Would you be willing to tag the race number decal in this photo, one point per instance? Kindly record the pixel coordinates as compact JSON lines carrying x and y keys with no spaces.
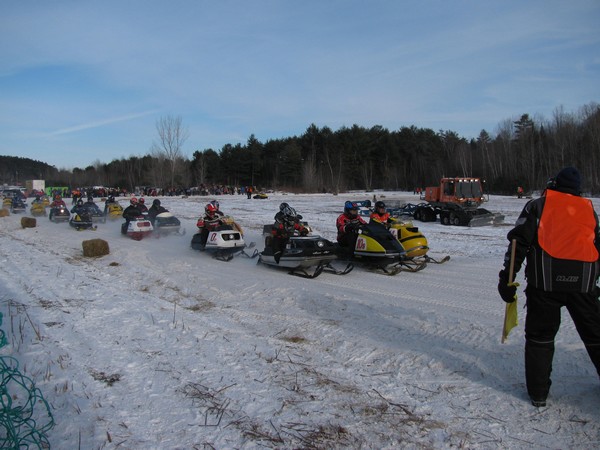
{"x":361,"y":244}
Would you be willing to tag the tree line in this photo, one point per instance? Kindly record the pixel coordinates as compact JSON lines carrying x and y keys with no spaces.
{"x":522,"y":152}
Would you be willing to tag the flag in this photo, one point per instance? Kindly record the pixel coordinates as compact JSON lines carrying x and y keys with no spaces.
{"x":511,"y":319}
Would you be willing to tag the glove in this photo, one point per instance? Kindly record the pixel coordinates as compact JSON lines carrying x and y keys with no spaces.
{"x":303,"y":232}
{"x":508,"y":291}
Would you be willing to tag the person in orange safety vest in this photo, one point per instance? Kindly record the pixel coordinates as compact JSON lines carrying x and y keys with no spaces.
{"x":558,"y":235}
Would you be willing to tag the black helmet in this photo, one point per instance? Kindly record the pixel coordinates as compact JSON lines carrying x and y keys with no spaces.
{"x":379,"y":204}
{"x":287,"y":210}
{"x":79,"y":202}
{"x":156,"y":202}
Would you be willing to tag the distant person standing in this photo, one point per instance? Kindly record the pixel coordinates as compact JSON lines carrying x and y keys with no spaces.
{"x":559,"y":237}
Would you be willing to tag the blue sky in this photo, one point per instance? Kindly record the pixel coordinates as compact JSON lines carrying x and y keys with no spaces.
{"x":86,"y":81}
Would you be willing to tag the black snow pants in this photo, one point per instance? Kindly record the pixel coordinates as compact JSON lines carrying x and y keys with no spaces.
{"x":542,"y":324}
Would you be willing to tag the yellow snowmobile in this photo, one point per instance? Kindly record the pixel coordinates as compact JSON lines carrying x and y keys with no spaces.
{"x":414,"y":243}
{"x":113,"y":211}
{"x":37,"y":209}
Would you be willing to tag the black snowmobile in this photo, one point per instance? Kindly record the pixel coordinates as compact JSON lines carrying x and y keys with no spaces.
{"x":303,"y":253}
{"x":95,"y":212}
{"x":17,"y":205}
{"x":82,"y":220}
{"x":167,"y":223}
{"x":59,"y":214}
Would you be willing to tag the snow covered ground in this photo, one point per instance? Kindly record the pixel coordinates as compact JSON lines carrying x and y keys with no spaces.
{"x":157,"y":346}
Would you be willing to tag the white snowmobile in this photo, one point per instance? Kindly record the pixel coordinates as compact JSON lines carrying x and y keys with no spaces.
{"x":137,"y":228}
{"x":225,"y":242}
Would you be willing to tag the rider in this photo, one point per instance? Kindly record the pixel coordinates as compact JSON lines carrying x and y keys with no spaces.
{"x":348,"y":223}
{"x":210,"y":222}
{"x":287,"y":223}
{"x":142,"y":205}
{"x":155,"y":210}
{"x":57,"y":202}
{"x":380,"y":214}
{"x":130,"y":213}
{"x":109,"y":201}
{"x":78,"y":208}
{"x":218,"y":212}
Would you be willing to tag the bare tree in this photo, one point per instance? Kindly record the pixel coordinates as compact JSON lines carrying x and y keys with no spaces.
{"x":171,"y":137}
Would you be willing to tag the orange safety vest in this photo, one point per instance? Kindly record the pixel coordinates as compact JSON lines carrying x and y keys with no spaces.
{"x":567,"y":227}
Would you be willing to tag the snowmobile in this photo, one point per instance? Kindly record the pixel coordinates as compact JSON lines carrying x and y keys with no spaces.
{"x":166,"y":223}
{"x":82,"y":220}
{"x":380,"y":250}
{"x":225,"y":242}
{"x":414,"y":243}
{"x":138,"y":228}
{"x":303,"y":253}
{"x":96,"y":213}
{"x":59,"y":214}
{"x":113,"y":211}
{"x":37,"y":209}
{"x":17,"y":205}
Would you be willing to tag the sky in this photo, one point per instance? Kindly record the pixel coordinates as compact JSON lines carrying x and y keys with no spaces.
{"x":86,"y":82}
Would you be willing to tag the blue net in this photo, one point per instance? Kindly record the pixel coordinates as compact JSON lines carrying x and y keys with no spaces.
{"x":25,"y":416}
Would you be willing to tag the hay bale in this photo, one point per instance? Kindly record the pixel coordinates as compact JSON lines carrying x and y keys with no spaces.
{"x":4,"y":212}
{"x":95,"y":247}
{"x":28,"y":222}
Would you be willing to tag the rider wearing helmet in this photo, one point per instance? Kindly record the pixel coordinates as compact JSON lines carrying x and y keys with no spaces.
{"x":58,"y":201}
{"x":380,"y":214}
{"x":348,"y":223}
{"x":131,"y":212}
{"x":155,"y":210}
{"x":142,"y":205}
{"x":109,"y":201}
{"x":287,"y":223}
{"x":210,"y":222}
{"x":218,"y":212}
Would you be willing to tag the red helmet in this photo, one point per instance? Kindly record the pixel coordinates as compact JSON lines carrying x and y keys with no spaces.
{"x":142,"y":201}
{"x":133,"y":201}
{"x":210,"y":209}
{"x":57,"y":197}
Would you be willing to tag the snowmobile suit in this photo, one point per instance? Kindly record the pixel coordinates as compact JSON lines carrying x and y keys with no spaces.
{"x":559,"y":236}
{"x":381,"y":218}
{"x":282,"y":229}
{"x":207,"y":224}
{"x":347,"y":226}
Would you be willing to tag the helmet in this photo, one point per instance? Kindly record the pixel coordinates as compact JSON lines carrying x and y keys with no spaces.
{"x":57,"y":197}
{"x":379,"y":204}
{"x":111,"y":198}
{"x":156,"y":202}
{"x":133,"y":201}
{"x":287,"y":210}
{"x":350,"y":206}
{"x":142,"y":201}
{"x":210,"y":209}
{"x":215,"y":203}
{"x":90,"y":198}
{"x":79,"y":202}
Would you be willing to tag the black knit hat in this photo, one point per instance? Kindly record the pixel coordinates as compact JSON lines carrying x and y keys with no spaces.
{"x":569,"y":178}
